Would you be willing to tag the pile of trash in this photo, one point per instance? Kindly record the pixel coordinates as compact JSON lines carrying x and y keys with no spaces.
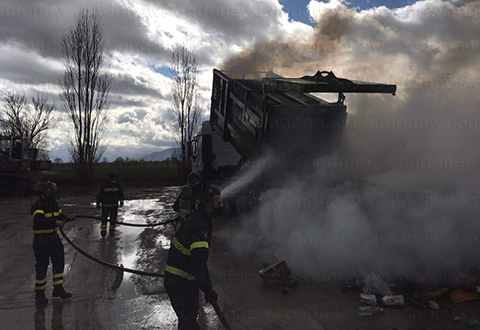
{"x":378,"y":295}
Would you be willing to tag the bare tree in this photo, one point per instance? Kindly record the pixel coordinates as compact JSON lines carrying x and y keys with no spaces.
{"x":86,"y":88}
{"x":19,"y":119}
{"x":186,"y":112}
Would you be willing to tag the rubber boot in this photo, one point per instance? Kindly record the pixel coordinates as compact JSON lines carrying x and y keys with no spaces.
{"x":112,"y":228}
{"x":59,"y":291}
{"x":40,"y":297}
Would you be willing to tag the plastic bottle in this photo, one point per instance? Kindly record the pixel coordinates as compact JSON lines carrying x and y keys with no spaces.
{"x":433,"y":305}
{"x":393,"y":300}
{"x":369,"y":311}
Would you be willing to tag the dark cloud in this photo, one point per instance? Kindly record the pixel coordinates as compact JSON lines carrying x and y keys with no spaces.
{"x":40,"y":25}
{"x":19,"y":66}
{"x":127,"y":85}
{"x":118,"y":101}
{"x":235,"y":21}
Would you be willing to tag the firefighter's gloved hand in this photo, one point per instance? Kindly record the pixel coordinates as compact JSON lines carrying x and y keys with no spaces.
{"x":70,"y":218}
{"x":211,"y":297}
{"x":121,"y":203}
{"x":60,"y":223}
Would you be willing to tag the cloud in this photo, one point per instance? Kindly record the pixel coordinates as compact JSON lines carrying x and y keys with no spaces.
{"x":40,"y":26}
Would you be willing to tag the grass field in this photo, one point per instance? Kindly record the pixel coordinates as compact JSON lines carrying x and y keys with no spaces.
{"x":129,"y":174}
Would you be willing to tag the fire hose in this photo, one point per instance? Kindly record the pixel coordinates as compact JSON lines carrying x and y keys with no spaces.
{"x":217,"y":308}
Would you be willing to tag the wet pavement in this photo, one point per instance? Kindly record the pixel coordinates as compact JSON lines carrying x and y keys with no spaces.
{"x":104,"y":298}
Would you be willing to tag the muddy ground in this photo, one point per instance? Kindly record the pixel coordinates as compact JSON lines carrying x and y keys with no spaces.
{"x":104,"y":299}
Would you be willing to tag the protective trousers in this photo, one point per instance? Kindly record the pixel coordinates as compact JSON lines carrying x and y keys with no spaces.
{"x":109,"y":212}
{"x":184,"y":299}
{"x":48,"y":247}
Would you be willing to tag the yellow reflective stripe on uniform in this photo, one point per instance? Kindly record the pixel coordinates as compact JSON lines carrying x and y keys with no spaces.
{"x":41,"y":281}
{"x":58,"y":282}
{"x":180,"y":247}
{"x":59,"y":275}
{"x":179,"y":272}
{"x":45,"y":231}
{"x":43,"y":287}
{"x":47,"y":215}
{"x":110,"y":189}
{"x":38,"y":212}
{"x":199,"y":244}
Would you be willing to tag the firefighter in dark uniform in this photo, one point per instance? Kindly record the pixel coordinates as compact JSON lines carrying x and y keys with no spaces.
{"x":188,"y":201}
{"x":186,"y":271}
{"x":47,"y":246}
{"x":111,"y":193}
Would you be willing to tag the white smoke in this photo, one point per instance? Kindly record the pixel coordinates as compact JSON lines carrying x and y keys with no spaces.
{"x":409,"y":201}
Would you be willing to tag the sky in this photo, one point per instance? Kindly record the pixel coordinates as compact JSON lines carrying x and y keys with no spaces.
{"x":140,"y":35}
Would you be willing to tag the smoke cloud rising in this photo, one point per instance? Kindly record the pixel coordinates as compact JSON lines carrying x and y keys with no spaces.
{"x":401,"y":194}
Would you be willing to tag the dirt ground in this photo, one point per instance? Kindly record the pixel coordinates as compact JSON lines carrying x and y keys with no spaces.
{"x":105,"y":299}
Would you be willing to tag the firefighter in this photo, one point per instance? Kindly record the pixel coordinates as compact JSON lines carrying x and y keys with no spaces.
{"x":186,"y":271}
{"x":188,"y":201}
{"x":111,"y":193}
{"x":47,"y":246}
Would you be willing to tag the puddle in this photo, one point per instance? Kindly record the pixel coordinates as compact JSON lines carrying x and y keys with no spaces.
{"x":141,"y":301}
{"x":142,"y":248}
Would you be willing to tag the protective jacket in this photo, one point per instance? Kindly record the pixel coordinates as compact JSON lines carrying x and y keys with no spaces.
{"x":45,"y":212}
{"x":188,"y":254}
{"x":110,"y":194}
{"x":47,"y":245}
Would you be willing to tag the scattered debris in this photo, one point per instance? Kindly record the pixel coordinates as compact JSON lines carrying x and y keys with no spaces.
{"x":369,"y":311}
{"x":474,"y":324}
{"x":433,"y":305}
{"x":393,"y":300}
{"x":375,"y":284}
{"x":432,"y":295}
{"x":369,"y":299}
{"x":459,"y":296}
{"x":278,"y":273}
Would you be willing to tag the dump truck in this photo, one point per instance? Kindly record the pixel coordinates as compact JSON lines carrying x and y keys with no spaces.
{"x":20,"y":168}
{"x":265,"y":120}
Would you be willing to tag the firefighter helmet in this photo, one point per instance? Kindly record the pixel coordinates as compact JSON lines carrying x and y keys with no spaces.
{"x":195,"y":180}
